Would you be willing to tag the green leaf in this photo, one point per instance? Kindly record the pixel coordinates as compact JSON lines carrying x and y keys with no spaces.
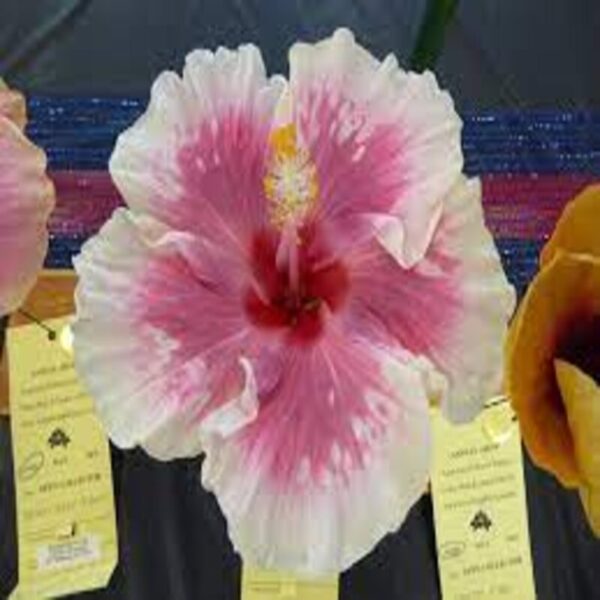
{"x":430,"y":40}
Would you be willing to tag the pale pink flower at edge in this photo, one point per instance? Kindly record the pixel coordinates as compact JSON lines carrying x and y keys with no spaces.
{"x":301,"y":267}
{"x":26,"y":200}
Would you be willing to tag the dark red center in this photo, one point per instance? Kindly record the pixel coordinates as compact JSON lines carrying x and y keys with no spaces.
{"x":323,"y":287}
{"x":580,"y":345}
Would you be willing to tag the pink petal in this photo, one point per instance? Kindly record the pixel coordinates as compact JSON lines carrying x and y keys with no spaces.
{"x":386,"y":143}
{"x":452,"y":307}
{"x":161,"y":336}
{"x":195,"y":159}
{"x":337,"y":455}
{"x":26,"y":199}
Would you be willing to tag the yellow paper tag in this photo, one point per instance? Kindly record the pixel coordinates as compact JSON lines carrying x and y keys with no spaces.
{"x":259,"y":584}
{"x":480,"y":508}
{"x":65,"y":506}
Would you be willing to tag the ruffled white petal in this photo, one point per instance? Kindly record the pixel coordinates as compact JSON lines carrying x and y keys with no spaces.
{"x":239,"y":411}
{"x":451,"y":309}
{"x":141,"y":346}
{"x":324,"y":525}
{"x":194,"y":159}
{"x":473,"y":356}
{"x":386,"y":142}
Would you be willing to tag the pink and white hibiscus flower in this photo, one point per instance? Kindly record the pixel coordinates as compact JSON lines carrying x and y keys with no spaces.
{"x":26,"y":200}
{"x":300,"y":269}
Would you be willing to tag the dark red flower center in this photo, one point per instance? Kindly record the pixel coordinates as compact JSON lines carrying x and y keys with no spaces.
{"x":272,"y":302}
{"x":580,"y":345}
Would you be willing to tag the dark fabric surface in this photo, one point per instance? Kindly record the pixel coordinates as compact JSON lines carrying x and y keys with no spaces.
{"x":514,"y":53}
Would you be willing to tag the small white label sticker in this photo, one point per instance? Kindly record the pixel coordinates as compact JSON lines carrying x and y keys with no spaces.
{"x":68,"y":553}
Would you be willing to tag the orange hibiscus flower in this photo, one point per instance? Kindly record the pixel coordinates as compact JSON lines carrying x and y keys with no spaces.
{"x":553,"y":355}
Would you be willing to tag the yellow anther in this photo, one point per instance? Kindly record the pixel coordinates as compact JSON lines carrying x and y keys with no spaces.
{"x":283,"y":141}
{"x":291,"y":180}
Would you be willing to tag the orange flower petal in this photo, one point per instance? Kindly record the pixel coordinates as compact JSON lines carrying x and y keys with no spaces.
{"x":590,"y":498}
{"x":578,"y":229}
{"x":12,"y":106}
{"x":581,"y":398}
{"x":567,"y":288}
